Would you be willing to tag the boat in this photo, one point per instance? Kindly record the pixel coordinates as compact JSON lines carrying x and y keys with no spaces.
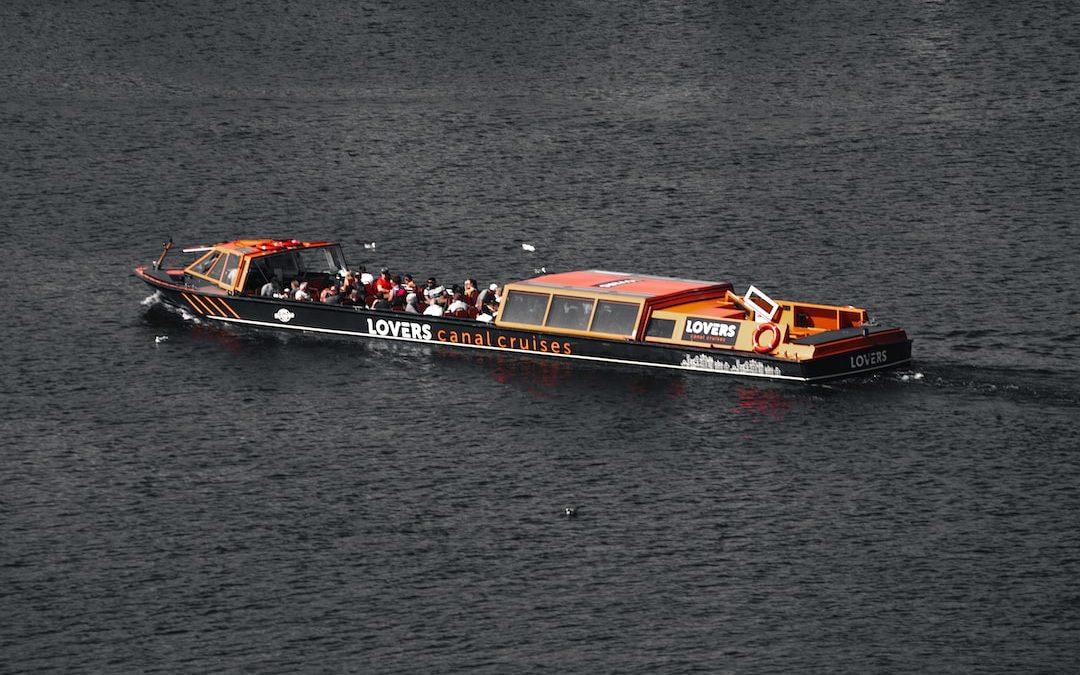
{"x":591,"y":315}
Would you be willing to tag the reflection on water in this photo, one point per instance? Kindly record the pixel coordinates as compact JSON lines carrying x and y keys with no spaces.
{"x":772,"y":404}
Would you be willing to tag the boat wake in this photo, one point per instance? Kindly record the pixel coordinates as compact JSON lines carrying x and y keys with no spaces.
{"x":1016,"y":384}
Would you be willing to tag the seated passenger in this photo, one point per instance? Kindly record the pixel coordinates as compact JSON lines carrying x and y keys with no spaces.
{"x":331,"y":295}
{"x":410,"y":304}
{"x":270,"y":289}
{"x":397,"y":301}
{"x":458,"y":307}
{"x":353,"y":299}
{"x":435,"y":307}
{"x":368,"y":288}
{"x":302,"y":293}
{"x":384,"y":283}
{"x":488,"y":300}
{"x":408,"y":283}
{"x":348,"y":280}
{"x":470,"y":292}
{"x":286,"y":293}
{"x":398,"y":288}
{"x":431,"y":288}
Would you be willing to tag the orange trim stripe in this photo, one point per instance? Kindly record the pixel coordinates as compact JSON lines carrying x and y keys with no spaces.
{"x":207,"y":308}
{"x":213,"y":302}
{"x":214,"y":309}
{"x":231,"y":310}
{"x":197,"y":308}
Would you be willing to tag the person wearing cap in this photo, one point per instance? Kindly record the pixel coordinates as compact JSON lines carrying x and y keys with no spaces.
{"x":367,"y":288}
{"x":486,"y":302}
{"x":384,"y":283}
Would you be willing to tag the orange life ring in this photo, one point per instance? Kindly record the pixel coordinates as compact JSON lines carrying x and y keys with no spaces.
{"x":773,"y":343}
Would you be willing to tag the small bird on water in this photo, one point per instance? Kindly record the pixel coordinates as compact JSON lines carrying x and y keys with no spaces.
{"x":570,"y":512}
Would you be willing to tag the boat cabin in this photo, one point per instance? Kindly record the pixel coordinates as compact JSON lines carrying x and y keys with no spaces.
{"x":243,"y":266}
{"x":663,"y":310}
{"x":602,"y":304}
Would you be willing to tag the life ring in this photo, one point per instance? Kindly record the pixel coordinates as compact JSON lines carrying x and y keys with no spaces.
{"x":773,"y":343}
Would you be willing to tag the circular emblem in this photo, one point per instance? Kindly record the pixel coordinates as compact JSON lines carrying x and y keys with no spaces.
{"x":283,"y":315}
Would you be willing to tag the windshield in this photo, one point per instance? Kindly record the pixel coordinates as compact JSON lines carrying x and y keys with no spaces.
{"x":326,"y":259}
{"x":295,"y":264}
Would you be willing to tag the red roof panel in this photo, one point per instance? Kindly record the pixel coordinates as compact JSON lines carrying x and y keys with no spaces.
{"x":618,"y":283}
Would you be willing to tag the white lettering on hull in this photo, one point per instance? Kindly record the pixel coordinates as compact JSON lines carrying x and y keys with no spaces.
{"x":713,"y":328}
{"x":406,"y":330}
{"x":869,"y":359}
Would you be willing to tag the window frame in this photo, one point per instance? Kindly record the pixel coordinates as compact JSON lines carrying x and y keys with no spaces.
{"x":508,"y":300}
{"x":551,"y":312}
{"x":633,"y":325}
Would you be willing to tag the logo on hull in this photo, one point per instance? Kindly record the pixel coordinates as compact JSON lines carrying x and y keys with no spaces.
{"x":283,"y":315}
{"x":869,"y":359}
{"x":711,"y":331}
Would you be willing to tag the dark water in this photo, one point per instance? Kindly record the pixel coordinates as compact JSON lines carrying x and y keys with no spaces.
{"x":222,"y":503}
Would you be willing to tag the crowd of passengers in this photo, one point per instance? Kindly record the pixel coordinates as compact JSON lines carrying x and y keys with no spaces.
{"x":395,"y":292}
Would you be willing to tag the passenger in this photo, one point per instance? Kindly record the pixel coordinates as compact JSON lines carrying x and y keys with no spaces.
{"x":348,"y":281}
{"x":435,"y":307}
{"x":384,"y":283}
{"x":302,"y":293}
{"x":432,"y":293}
{"x":270,"y":289}
{"x":430,"y":288}
{"x":458,"y":307}
{"x":398,"y":288}
{"x":368,"y":289}
{"x":410,"y":304}
{"x":331,"y":295}
{"x":470,"y":292}
{"x":354,"y":298}
{"x":486,"y":301}
{"x":397,"y":299}
{"x":409,"y":284}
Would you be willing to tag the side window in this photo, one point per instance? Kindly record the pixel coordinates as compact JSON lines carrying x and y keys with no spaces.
{"x":660,"y":328}
{"x":615,"y":317}
{"x":203,"y":266}
{"x":572,"y":313}
{"x":257,"y":275}
{"x":232,"y":265}
{"x":519,"y":307}
{"x":316,"y":260}
{"x":218,"y":268}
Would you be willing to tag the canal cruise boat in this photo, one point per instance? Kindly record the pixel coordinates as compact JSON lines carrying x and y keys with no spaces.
{"x":593,"y":315}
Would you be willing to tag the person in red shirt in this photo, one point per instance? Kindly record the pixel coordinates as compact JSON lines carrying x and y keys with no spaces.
{"x":384,"y":283}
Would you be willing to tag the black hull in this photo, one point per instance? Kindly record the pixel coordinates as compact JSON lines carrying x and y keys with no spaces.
{"x":358,"y":322}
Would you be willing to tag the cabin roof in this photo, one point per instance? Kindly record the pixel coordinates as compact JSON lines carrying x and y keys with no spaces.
{"x":260,"y":247}
{"x":619,"y":283}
